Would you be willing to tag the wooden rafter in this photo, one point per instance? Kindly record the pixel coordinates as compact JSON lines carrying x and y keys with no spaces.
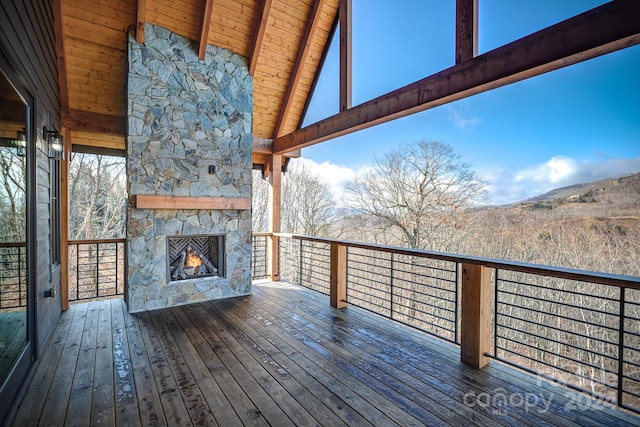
{"x":259,"y":36}
{"x":345,"y":13}
{"x":87,"y":121}
{"x":466,"y":30}
{"x":141,"y":19}
{"x":607,"y":28}
{"x":303,"y":54}
{"x":206,"y":23}
{"x":60,"y":56}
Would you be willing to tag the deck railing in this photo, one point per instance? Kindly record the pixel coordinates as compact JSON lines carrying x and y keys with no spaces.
{"x":578,"y":328}
{"x":13,"y":275}
{"x":259,"y":256}
{"x":96,"y":268}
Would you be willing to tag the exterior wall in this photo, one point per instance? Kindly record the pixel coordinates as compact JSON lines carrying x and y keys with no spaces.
{"x":185,"y":115}
{"x":31,"y":50}
{"x":27,"y":41}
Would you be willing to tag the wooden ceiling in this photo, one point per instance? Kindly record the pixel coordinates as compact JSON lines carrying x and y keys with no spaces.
{"x":283,"y":41}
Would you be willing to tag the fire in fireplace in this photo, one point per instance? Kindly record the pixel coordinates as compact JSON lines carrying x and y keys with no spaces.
{"x":194,"y":257}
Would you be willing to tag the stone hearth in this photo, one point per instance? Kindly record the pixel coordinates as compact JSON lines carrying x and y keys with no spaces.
{"x":189,"y":135}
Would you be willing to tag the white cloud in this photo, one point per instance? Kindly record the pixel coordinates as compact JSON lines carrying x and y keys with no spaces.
{"x":553,"y":171}
{"x":459,"y":118}
{"x":334,"y":175}
{"x":559,"y":171}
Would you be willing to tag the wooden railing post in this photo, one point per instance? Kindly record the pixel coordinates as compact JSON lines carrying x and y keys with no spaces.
{"x":275,"y":189}
{"x":476,"y":315}
{"x":338,"y":276}
{"x":272,"y":257}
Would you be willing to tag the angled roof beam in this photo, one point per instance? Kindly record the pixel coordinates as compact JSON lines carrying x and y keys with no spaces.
{"x":466,"y":30}
{"x":303,"y":54}
{"x":206,"y":23}
{"x":141,"y":19}
{"x":60,"y":55}
{"x":604,"y":29}
{"x":259,"y":36}
{"x":345,"y":14}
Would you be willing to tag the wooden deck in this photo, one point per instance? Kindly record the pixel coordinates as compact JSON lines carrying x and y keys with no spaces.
{"x":279,"y":357}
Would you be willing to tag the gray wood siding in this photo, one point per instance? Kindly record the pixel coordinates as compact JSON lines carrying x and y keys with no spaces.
{"x":27,"y":38}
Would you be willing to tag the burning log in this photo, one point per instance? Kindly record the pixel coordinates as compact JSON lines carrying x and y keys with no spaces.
{"x":192,"y":263}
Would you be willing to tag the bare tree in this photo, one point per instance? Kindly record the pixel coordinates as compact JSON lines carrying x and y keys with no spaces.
{"x":12,"y":196}
{"x":307,"y":205}
{"x":259,"y":203}
{"x":418,"y":193}
{"x":98,"y":196}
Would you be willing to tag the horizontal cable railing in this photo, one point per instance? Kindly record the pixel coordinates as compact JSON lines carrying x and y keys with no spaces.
{"x":306,"y":263}
{"x":578,"y":328}
{"x":96,"y":268}
{"x":13,"y":275}
{"x":416,"y":291}
{"x":259,"y":256}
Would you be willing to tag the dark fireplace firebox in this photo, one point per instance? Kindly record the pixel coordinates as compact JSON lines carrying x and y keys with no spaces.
{"x":194,"y":257}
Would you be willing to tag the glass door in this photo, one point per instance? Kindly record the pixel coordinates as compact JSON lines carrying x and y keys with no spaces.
{"x":14,"y":152}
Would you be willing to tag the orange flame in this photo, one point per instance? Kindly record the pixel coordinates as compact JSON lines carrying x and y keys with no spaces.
{"x":192,"y":260}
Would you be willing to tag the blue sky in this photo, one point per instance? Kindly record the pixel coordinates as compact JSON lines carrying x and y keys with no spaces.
{"x":577,"y":124}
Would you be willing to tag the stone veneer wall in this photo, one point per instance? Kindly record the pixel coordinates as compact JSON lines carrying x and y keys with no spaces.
{"x":185,"y":114}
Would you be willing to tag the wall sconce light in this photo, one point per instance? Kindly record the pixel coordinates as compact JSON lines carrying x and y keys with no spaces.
{"x":21,"y":143}
{"x":55,"y":143}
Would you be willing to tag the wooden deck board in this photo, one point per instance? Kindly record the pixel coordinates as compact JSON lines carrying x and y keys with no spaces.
{"x":79,"y":407}
{"x":280,"y":357}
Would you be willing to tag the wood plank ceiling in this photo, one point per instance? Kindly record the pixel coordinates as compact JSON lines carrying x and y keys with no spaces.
{"x":283,"y":41}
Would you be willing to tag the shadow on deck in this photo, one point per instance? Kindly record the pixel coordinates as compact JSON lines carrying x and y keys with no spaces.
{"x":280,"y":357}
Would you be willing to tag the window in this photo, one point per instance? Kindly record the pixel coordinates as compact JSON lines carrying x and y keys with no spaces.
{"x":54,"y":213}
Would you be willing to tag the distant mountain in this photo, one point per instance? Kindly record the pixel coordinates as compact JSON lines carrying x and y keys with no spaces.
{"x":619,"y":191}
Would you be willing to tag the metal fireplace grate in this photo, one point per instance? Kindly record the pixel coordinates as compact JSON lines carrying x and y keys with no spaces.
{"x":193,"y":257}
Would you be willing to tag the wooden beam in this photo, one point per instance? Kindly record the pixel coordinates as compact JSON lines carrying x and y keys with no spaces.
{"x":259,"y":36}
{"x":264,"y":146}
{"x":64,"y":217}
{"x":302,"y":56}
{"x":466,"y":30}
{"x":141,"y":19}
{"x":475,"y":313}
{"x":345,"y":14}
{"x":60,"y":55}
{"x":87,"y":121}
{"x":607,"y":28}
{"x":275,"y":192}
{"x":206,"y":23}
{"x":338,"y":276}
{"x":149,"y":201}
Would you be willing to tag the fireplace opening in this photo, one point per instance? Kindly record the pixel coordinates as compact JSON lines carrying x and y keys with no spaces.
{"x":194,"y":257}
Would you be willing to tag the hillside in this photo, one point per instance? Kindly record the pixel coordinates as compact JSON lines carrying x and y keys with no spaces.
{"x":609,"y":197}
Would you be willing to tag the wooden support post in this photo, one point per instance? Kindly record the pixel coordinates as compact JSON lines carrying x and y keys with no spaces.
{"x":338,"y":276}
{"x":64,"y":220}
{"x":476,"y":315}
{"x":141,"y":19}
{"x":275,"y":188}
{"x":466,"y":30}
{"x":344,"y":14}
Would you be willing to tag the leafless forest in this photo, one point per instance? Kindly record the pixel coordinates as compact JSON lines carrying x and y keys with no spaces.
{"x":565,"y":329}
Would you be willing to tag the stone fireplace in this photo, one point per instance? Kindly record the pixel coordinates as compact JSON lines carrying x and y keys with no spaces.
{"x":188,"y":173}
